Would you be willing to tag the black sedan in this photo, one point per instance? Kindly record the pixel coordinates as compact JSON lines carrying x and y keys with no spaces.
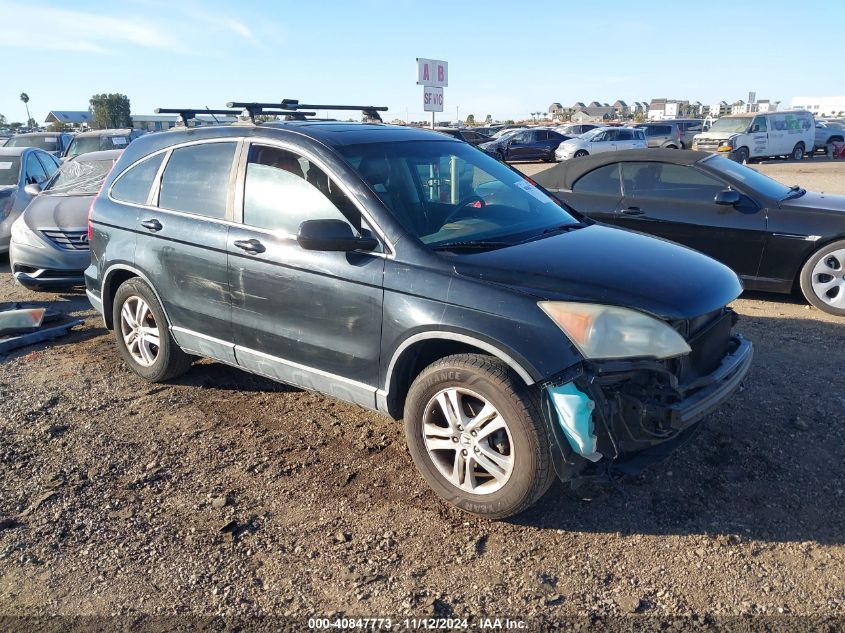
{"x":463,"y":134}
{"x":777,"y":238}
{"x":533,"y":144}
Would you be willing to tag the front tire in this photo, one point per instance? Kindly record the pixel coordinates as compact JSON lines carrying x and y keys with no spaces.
{"x":797,"y":152}
{"x":477,"y":436}
{"x":823,"y":279}
{"x":143,"y":338}
{"x":581,"y":153}
{"x":741,"y":155}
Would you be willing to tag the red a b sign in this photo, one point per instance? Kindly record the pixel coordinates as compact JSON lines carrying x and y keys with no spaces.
{"x":432,"y":72}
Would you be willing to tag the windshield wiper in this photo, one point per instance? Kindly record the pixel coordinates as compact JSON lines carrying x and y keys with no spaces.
{"x":794,"y":192}
{"x":471,"y":245}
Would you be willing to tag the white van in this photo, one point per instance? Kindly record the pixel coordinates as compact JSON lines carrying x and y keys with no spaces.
{"x":790,"y":133}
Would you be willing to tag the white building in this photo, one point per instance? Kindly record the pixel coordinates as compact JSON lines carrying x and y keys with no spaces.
{"x":820,"y":106}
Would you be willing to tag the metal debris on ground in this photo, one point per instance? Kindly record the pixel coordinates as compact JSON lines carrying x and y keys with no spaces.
{"x":20,"y":327}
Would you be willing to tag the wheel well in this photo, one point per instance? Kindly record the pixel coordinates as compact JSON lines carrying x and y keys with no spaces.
{"x":413,"y":360}
{"x":115,"y":281}
{"x":835,"y":139}
{"x":796,"y":283}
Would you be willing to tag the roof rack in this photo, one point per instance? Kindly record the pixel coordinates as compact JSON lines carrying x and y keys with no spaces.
{"x":186,"y":114}
{"x":253,"y":109}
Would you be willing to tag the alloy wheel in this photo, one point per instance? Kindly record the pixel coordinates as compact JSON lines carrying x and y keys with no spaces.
{"x":140,"y":331}
{"x":828,"y":278}
{"x":468,"y":441}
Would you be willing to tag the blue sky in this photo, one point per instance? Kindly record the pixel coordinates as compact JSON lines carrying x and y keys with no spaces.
{"x":505,"y":58}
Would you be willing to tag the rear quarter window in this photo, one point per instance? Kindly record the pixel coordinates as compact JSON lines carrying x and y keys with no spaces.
{"x":134,"y":184}
{"x":604,"y":181}
{"x":196,"y":179}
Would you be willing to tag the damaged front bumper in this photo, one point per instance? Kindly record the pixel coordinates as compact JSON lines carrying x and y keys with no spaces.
{"x":632,"y":412}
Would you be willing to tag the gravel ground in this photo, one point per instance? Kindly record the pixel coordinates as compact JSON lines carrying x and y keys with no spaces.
{"x":226,"y":494}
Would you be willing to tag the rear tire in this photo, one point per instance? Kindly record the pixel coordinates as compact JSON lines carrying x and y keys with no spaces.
{"x":466,"y":475}
{"x":797,"y":152}
{"x":581,"y":153}
{"x":823,"y":279}
{"x":142,"y":334}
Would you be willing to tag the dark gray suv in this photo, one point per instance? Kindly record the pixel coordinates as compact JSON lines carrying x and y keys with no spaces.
{"x":413,"y":274}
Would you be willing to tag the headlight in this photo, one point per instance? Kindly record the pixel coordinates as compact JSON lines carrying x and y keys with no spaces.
{"x":726,"y":146}
{"x":22,"y":234}
{"x":600,"y":331}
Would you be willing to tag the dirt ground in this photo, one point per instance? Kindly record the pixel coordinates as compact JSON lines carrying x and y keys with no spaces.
{"x":226,"y":494}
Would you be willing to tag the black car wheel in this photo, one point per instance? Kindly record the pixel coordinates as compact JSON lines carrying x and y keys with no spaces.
{"x":823,"y":279}
{"x":797,"y":152}
{"x":741,"y":155}
{"x":671,"y":147}
{"x":143,"y":337}
{"x":581,"y":152}
{"x":477,"y":436}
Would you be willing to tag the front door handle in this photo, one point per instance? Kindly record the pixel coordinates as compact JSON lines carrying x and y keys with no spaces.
{"x":152,"y":225}
{"x":250,"y":246}
{"x":632,"y":211}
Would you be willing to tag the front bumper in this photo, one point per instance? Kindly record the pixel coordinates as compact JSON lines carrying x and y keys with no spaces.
{"x":47,"y":267}
{"x":642,"y":411}
{"x":642,"y":404}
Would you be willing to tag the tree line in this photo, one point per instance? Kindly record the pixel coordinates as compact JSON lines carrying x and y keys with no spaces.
{"x":108,"y":110}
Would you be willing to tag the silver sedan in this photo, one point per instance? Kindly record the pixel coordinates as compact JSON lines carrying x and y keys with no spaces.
{"x":19,"y":167}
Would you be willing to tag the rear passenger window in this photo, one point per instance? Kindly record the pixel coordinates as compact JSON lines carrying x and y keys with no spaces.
{"x":624,"y":135}
{"x":196,"y":179}
{"x":283,"y":189}
{"x":134,"y":185}
{"x":604,"y":180}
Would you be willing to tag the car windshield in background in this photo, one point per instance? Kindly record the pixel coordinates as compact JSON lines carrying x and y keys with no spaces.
{"x":449,"y":193}
{"x":754,"y":179}
{"x":47,"y":143}
{"x":506,"y":133}
{"x":10,"y":169}
{"x":79,"y":177}
{"x":95,"y":144}
{"x":731,"y":125}
{"x":590,"y":133}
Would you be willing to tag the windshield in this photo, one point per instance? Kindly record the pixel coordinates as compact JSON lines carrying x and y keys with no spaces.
{"x":505,"y":133}
{"x":10,"y":169}
{"x":731,"y":125}
{"x":446,"y":192}
{"x":79,"y":177}
{"x":48,"y":143}
{"x":747,"y":176}
{"x":95,"y":144}
{"x":591,"y":133}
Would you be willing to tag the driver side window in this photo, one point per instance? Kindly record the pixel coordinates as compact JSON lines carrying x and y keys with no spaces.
{"x":35,"y":173}
{"x":283,"y":189}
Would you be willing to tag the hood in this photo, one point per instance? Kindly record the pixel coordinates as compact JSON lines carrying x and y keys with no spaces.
{"x":67,"y":212}
{"x":715,"y":136}
{"x":818,"y":202}
{"x":600,"y":264}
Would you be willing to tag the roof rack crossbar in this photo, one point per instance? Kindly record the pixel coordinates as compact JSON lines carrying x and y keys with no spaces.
{"x":256,"y":108}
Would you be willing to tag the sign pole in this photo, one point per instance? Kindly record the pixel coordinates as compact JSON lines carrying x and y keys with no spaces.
{"x":432,"y":120}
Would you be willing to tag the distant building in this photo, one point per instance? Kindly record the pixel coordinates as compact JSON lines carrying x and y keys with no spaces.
{"x":719,"y":109}
{"x":663,"y":108}
{"x":159,"y":122}
{"x":77,"y":119}
{"x":621,"y":107}
{"x":594,"y":114}
{"x":820,"y":106}
{"x":556,"y":111}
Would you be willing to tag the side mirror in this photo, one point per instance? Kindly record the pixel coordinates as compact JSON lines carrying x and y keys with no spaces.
{"x":727,"y":197}
{"x":332,"y":235}
{"x":32,"y":189}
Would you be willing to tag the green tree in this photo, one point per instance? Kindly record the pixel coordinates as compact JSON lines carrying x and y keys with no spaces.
{"x":110,"y":111}
{"x":59,"y":126}
{"x":488,"y":119}
{"x":25,"y":99}
{"x":3,"y":122}
{"x":470,"y":119}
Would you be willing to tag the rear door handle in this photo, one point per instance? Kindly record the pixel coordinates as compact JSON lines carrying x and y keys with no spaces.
{"x":250,"y":246}
{"x":632,"y":211}
{"x":152,"y":225}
